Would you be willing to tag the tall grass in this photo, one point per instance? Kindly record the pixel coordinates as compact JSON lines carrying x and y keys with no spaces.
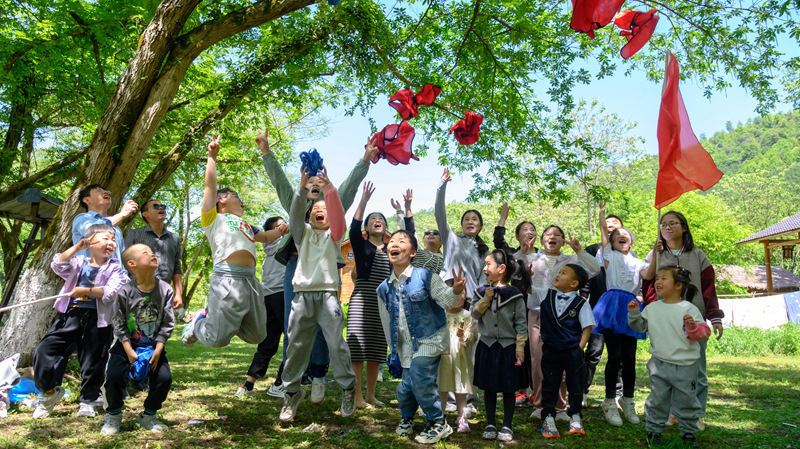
{"x":749,"y":341}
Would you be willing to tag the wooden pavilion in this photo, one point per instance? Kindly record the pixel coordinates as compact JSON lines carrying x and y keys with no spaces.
{"x":769,"y":237}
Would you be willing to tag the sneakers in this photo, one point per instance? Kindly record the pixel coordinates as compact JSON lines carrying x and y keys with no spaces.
{"x":187,"y":336}
{"x":629,"y":410}
{"x":405,"y":427}
{"x":463,"y":426}
{"x":537,"y":414}
{"x":654,"y":439}
{"x":348,"y":401}
{"x":522,"y":400}
{"x":672,"y":420}
{"x":575,"y":425}
{"x":450,"y":408}
{"x":380,"y":376}
{"x":611,"y":413}
{"x":276,"y":391}
{"x":689,"y":440}
{"x":112,"y":425}
{"x":505,"y":434}
{"x":317,"y":391}
{"x":562,"y":416}
{"x":490,"y":432}
{"x":470,"y":410}
{"x":87,"y":409}
{"x":434,"y":432}
{"x":290,"y":403}
{"x":151,"y":423}
{"x":549,"y":429}
{"x":43,"y":404}
{"x":243,"y":392}
{"x":701,"y":425}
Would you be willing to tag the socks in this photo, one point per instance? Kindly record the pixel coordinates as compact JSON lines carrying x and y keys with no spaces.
{"x":115,"y":412}
{"x":248,"y":385}
{"x":147,"y":411}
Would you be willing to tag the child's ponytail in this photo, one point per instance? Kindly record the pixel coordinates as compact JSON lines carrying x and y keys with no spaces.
{"x":516,"y":271}
{"x":682,"y":276}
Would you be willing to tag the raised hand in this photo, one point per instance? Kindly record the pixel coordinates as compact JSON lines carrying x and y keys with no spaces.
{"x":213,"y":147}
{"x":574,"y":244}
{"x":129,"y":208}
{"x":446,"y":175}
{"x":688,"y":321}
{"x":323,"y":177}
{"x":634,"y":305}
{"x":504,"y":212}
{"x":261,"y":141}
{"x":304,"y":175}
{"x":283,"y":228}
{"x":396,"y":205}
{"x":459,"y":280}
{"x":407,"y":198}
{"x":370,"y":150}
{"x":369,"y":189}
{"x":602,"y":207}
{"x":83,"y":244}
{"x":525,"y":244}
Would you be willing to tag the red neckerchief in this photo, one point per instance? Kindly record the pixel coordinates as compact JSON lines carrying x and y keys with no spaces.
{"x":467,"y":131}
{"x":637,"y":27}
{"x":406,"y":103}
{"x":394,"y":144}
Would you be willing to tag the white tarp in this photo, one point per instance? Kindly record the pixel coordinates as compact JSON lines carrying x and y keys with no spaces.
{"x":764,"y":312}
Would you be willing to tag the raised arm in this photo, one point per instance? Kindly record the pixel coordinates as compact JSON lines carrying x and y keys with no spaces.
{"x":586,"y":260}
{"x":210,"y":192}
{"x":366,"y":194}
{"x":348,"y":189}
{"x":128,"y":209}
{"x":440,"y":212}
{"x":603,"y":226}
{"x":275,"y":173}
{"x":297,"y":213}
{"x":636,"y":320}
{"x":335,"y":209}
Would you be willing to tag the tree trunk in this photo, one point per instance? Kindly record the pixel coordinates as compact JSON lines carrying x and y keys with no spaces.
{"x":17,"y":120}
{"x":188,"y":296}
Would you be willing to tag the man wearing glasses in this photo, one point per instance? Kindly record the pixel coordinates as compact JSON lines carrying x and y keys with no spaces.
{"x":96,"y":200}
{"x":165,"y":244}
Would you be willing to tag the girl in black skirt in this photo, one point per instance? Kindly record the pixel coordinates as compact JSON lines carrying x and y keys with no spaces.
{"x":501,"y":315}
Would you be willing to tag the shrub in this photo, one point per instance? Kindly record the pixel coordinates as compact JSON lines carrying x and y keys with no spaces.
{"x":749,"y":341}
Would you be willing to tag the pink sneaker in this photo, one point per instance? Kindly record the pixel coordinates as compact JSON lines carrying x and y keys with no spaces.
{"x":463,"y":426}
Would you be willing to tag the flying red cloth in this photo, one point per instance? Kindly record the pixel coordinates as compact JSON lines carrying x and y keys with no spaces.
{"x":406,"y":103}
{"x":683,"y":163}
{"x":467,"y":131}
{"x":637,"y":27}
{"x":589,"y":15}
{"x":394,"y":144}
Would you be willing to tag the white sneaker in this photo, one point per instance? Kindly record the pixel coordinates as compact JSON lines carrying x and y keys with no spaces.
{"x":43,"y":404}
{"x":290,"y":404}
{"x":380,"y":376}
{"x":243,"y":392}
{"x":151,"y":423}
{"x":450,"y":408}
{"x":405,"y":427}
{"x":434,"y":432}
{"x":629,"y":410}
{"x":348,"y":402}
{"x":470,"y":410}
{"x":87,"y":409}
{"x":611,"y":413}
{"x":317,"y":391}
{"x":537,"y":414}
{"x":112,"y":425}
{"x":562,"y":416}
{"x":276,"y":391}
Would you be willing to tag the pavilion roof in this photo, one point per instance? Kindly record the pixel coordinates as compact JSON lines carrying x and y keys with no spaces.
{"x":789,"y":225}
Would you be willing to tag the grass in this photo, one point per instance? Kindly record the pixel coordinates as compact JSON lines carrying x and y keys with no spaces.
{"x":750,"y":399}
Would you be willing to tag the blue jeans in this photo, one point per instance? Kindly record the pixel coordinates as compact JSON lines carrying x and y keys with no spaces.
{"x":419,"y":389}
{"x":320,"y":358}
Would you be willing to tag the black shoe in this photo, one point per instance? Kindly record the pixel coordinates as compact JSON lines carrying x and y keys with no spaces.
{"x":689,"y":440}
{"x":305,"y":381}
{"x":654,"y":439}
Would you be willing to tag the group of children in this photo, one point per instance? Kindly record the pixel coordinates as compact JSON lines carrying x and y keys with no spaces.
{"x":499,"y":321}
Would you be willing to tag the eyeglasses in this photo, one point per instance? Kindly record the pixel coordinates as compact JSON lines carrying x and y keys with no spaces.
{"x":159,"y":206}
{"x":431,"y":232}
{"x":102,"y":190}
{"x":672,"y":224}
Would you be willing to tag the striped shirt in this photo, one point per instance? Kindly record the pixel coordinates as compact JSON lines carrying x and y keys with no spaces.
{"x":166,"y":246}
{"x":426,"y":347}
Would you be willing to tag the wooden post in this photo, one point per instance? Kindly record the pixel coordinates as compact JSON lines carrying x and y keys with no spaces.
{"x":769,"y":266}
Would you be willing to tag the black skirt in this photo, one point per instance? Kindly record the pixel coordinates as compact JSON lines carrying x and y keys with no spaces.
{"x":496,"y":370}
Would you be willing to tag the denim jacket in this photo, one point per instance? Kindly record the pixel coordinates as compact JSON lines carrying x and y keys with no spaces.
{"x":423,"y":315}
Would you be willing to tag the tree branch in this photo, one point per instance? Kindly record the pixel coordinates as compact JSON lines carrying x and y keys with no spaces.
{"x":9,"y":192}
{"x":466,"y":35}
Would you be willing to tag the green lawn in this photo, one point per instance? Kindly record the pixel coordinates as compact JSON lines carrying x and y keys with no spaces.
{"x":751,"y":398}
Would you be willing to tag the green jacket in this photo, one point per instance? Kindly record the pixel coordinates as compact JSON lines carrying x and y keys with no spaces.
{"x":347,"y":193}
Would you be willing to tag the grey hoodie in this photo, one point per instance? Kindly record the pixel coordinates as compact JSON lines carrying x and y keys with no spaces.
{"x":272,"y":271}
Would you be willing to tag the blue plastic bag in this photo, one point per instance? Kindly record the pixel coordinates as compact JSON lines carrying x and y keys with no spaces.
{"x":141,"y":366}
{"x":22,"y":390}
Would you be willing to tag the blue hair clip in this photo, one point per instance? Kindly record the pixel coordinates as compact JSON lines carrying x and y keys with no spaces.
{"x":311,"y":161}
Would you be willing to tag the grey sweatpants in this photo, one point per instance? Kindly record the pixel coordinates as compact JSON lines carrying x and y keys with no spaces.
{"x":310,"y":309}
{"x":672,"y":386}
{"x":235,"y":307}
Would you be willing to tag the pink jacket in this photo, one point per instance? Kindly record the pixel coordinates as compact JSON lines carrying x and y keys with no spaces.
{"x":110,"y":278}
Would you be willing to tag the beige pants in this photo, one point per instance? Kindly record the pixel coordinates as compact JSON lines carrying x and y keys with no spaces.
{"x":535,"y":340}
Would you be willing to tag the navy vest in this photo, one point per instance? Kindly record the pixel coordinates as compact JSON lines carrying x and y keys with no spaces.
{"x":424,"y":317}
{"x":561,"y":332}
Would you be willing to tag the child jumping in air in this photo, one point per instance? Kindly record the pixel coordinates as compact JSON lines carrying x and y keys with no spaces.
{"x":412,"y":304}
{"x":143,"y":321}
{"x":623,"y":272}
{"x":502,"y":323}
{"x":84,"y":320}
{"x":675,"y":327}
{"x":235,"y":304}
{"x":567,"y":323}
{"x":318,"y":236}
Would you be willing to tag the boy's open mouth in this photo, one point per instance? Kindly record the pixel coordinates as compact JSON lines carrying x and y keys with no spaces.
{"x":320,"y":217}
{"x":394,"y":252}
{"x":315,"y":190}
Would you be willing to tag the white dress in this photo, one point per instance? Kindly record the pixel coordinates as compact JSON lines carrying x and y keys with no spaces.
{"x":455,"y":368}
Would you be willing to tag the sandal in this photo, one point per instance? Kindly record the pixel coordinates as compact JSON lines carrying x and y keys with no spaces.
{"x":490,"y":432}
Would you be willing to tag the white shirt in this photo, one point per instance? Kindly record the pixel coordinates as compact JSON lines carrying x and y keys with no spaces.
{"x":585,"y":315}
{"x":544,"y":275}
{"x":623,"y":270}
{"x":426,"y":347}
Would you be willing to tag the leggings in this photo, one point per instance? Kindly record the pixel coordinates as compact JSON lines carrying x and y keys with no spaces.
{"x":621,"y":351}
{"x":509,"y":402}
